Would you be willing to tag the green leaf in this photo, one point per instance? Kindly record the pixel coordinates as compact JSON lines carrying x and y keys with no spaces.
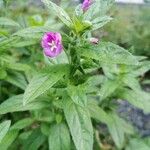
{"x":3,"y":73}
{"x":22,"y":124}
{"x":45,"y":128}
{"x":141,"y":69}
{"x":118,"y":128}
{"x":108,"y":87}
{"x":8,"y":139}
{"x":45,"y":115}
{"x":34,"y":141}
{"x":17,"y":79}
{"x":79,"y":10}
{"x":59,"y":138}
{"x":100,"y":22}
{"x":79,"y":123}
{"x":78,"y":94}
{"x":137,"y":143}
{"x":15,"y":104}
{"x":80,"y":26}
{"x":25,"y":43}
{"x":63,"y":16}
{"x":108,"y":53}
{"x":33,"y":32}
{"x":8,"y":22}
{"x":132,"y":82}
{"x":43,"y":82}
{"x":98,"y":8}
{"x":4,"y":127}
{"x":18,"y":66}
{"x":138,"y":98}
{"x":93,"y":83}
{"x":7,"y":42}
{"x":97,"y":113}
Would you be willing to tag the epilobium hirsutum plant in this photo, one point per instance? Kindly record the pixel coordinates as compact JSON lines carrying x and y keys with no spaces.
{"x":78,"y":87}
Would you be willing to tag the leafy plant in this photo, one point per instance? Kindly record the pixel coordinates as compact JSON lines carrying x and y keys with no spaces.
{"x":59,"y":102}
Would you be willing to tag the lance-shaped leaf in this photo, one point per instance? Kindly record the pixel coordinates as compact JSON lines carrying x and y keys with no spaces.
{"x":78,"y":94}
{"x":118,"y":128}
{"x":100,"y":22}
{"x":4,"y":127}
{"x":8,"y":22}
{"x":108,"y":87}
{"x":8,"y":139}
{"x":15,"y":104}
{"x":98,"y":8}
{"x":43,"y":82}
{"x":97,"y":112}
{"x":108,"y":53}
{"x":63,"y":16}
{"x":137,"y":98}
{"x":137,"y":143}
{"x":33,"y":32}
{"x":34,"y":141}
{"x":22,"y":124}
{"x":16,"y":79}
{"x":79,"y":123}
{"x":59,"y":138}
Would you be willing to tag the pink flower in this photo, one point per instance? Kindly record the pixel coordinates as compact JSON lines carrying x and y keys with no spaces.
{"x":86,"y":4}
{"x":52,"y":44}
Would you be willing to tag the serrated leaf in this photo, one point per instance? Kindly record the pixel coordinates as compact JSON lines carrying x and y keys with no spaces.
{"x":63,"y":16}
{"x":18,"y":66}
{"x":4,"y":127}
{"x":108,"y":87}
{"x":15,"y":104}
{"x":25,"y":43}
{"x":118,"y":128}
{"x":108,"y":53}
{"x":22,"y":124}
{"x":132,"y":82}
{"x":78,"y":94}
{"x":3,"y":73}
{"x":6,"y":43}
{"x":8,"y":22}
{"x":34,"y":141}
{"x":138,"y":98}
{"x":98,"y":8}
{"x":141,"y":69}
{"x":97,"y":113}
{"x":8,"y":139}
{"x":100,"y":22}
{"x":33,"y":32}
{"x":59,"y":138}
{"x":43,"y":82}
{"x":79,"y":123}
{"x":17,"y":79}
{"x":137,"y":143}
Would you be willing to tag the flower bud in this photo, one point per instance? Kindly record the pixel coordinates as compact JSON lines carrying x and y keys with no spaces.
{"x":86,"y":5}
{"x":94,"y":40}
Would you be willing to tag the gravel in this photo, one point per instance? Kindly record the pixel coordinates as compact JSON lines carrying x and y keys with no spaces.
{"x":136,"y":116}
